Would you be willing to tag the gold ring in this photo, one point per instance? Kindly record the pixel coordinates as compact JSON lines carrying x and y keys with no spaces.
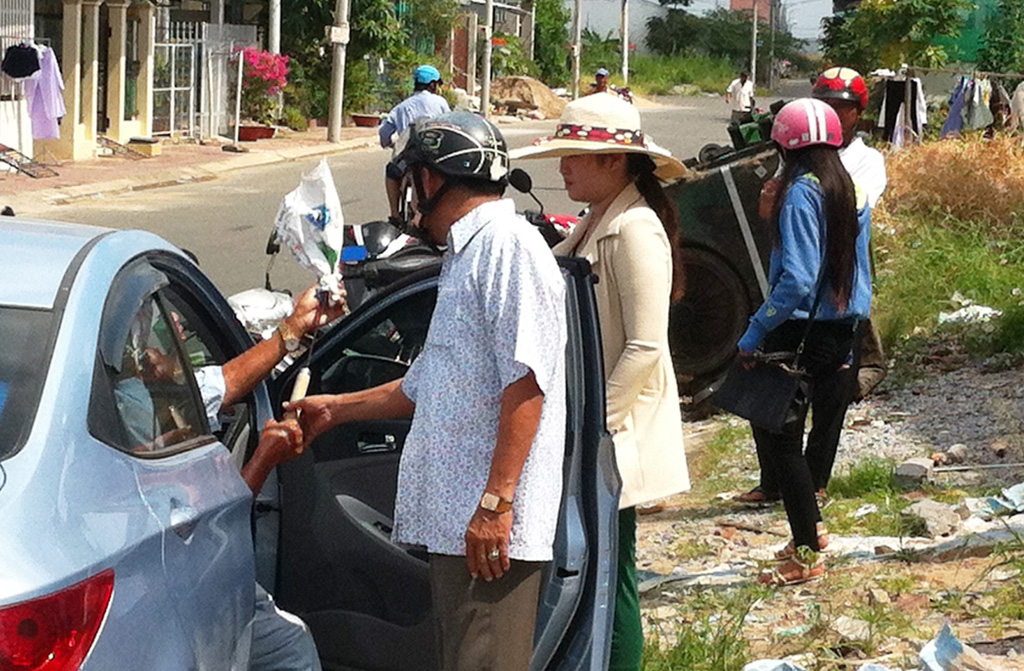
{"x":493,"y":554}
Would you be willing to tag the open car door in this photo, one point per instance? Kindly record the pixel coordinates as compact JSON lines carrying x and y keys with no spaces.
{"x":366,"y":599}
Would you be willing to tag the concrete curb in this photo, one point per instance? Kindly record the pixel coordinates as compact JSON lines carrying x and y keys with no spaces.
{"x":196,"y":173}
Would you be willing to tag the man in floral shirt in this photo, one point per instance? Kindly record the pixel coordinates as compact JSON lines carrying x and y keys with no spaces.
{"x":480,"y":479}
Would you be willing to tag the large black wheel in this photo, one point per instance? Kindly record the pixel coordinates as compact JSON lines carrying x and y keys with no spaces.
{"x":706,"y":323}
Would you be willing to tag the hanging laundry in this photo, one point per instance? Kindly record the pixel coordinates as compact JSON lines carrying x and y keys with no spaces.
{"x":976,"y":112}
{"x":1017,"y":107}
{"x":20,"y":61}
{"x":45,"y":95}
{"x":894,"y":100}
{"x":955,"y":121}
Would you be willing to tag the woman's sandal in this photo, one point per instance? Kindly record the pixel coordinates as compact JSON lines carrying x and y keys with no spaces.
{"x":758,"y":497}
{"x":804,"y":566}
{"x":790,"y":549}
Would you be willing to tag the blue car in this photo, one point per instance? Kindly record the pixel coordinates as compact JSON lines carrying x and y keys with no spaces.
{"x":127,"y":536}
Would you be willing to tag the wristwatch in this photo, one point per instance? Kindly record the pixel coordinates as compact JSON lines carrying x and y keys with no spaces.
{"x":290,"y":338}
{"x":495,"y":504}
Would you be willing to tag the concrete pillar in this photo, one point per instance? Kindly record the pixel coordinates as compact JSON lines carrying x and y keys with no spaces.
{"x":274,"y":27}
{"x":116,"y":68}
{"x":71,"y":69}
{"x":144,"y":87}
{"x":217,"y":11}
{"x":90,"y":65}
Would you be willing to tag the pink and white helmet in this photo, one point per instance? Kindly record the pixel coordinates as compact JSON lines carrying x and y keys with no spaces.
{"x":806,"y":122}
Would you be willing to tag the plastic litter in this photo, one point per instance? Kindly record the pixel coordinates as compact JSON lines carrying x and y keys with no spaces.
{"x":1010,"y":502}
{"x":971,"y":314}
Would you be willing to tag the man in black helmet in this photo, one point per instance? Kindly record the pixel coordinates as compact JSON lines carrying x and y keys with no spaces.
{"x":480,"y":478}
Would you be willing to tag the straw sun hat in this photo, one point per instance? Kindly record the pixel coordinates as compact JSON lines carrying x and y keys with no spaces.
{"x":601,"y":124}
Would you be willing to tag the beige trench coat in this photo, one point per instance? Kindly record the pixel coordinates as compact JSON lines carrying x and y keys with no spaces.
{"x":630,"y":253}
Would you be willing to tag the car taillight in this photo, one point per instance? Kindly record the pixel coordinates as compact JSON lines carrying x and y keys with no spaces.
{"x":54,"y":632}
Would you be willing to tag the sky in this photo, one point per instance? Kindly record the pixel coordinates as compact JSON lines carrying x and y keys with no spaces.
{"x":804,"y":15}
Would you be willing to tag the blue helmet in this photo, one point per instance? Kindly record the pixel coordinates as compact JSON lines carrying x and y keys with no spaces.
{"x":425,"y":74}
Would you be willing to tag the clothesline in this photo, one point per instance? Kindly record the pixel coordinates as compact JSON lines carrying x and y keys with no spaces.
{"x":979,"y":73}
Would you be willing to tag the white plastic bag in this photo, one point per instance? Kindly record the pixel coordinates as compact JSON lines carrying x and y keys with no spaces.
{"x":309,"y":222}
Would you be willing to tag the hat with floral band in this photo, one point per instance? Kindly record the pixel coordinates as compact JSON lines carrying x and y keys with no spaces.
{"x":601,"y":124}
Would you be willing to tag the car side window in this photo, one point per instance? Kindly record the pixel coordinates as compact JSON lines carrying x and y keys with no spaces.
{"x":154,"y":395}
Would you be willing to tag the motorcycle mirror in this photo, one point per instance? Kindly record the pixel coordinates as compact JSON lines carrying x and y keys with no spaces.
{"x":273,"y":243}
{"x":520,"y":180}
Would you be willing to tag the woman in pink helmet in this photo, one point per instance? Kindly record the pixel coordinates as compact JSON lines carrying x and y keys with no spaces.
{"x":820,"y":283}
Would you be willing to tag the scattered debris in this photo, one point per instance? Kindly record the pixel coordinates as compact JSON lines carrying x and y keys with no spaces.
{"x":743,"y":526}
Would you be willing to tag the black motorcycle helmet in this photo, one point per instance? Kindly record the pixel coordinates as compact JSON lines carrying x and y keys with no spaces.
{"x":462,"y":146}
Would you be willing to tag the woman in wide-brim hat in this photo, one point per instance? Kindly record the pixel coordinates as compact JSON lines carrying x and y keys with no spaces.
{"x":630,"y":236}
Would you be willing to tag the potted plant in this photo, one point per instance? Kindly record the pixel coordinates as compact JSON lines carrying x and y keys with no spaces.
{"x":264,"y":75}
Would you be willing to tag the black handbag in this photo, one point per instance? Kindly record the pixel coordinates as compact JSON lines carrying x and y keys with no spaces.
{"x":773,"y":391}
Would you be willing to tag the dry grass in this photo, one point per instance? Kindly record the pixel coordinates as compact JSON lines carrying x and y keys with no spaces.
{"x":969,"y":180}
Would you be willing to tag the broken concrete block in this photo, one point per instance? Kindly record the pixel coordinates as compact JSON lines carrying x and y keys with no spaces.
{"x":877,"y":595}
{"x":852,"y":629}
{"x":938,"y":519}
{"x":999,"y":448}
{"x":915,"y":471}
{"x":957,"y":454}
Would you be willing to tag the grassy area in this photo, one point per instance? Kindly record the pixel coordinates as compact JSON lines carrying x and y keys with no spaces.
{"x":710,"y":636}
{"x":951,"y":224}
{"x":653,"y":75}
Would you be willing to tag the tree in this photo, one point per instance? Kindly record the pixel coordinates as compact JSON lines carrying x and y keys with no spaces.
{"x":551,"y":41}
{"x":432,"y":18}
{"x":1003,"y":44}
{"x":375,"y":33}
{"x":721,"y":33}
{"x":887,"y":33}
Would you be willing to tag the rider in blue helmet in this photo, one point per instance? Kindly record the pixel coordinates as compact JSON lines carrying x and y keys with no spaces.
{"x":423,"y":103}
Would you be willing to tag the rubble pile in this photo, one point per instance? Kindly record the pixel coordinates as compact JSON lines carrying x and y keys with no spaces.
{"x":528,"y":96}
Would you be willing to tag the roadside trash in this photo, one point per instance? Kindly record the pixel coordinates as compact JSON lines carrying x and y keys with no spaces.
{"x":946,"y":653}
{"x":1010,"y":502}
{"x":772,"y":665}
{"x":852,"y":629}
{"x":971,"y":314}
{"x":865,"y":510}
{"x":310,"y":223}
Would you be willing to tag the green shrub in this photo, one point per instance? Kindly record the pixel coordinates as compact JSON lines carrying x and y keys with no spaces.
{"x":294,"y":119}
{"x":871,"y":476}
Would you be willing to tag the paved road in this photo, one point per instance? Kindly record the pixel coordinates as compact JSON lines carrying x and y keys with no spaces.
{"x":226,"y":222}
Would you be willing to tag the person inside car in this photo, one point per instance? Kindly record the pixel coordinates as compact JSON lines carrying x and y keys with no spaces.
{"x":480,"y":476}
{"x":280,"y":640}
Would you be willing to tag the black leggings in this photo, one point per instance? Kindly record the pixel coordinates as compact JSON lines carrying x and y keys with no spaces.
{"x":826,"y":355}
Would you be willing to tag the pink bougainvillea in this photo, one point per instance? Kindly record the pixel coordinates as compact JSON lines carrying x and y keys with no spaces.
{"x":264,"y":75}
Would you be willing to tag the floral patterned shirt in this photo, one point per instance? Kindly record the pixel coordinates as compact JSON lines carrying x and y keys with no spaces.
{"x":500,"y":314}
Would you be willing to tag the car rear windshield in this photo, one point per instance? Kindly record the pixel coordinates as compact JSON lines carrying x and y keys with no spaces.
{"x":24,"y":343}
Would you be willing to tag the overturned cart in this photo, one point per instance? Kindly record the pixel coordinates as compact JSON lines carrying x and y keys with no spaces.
{"x":725,"y":253}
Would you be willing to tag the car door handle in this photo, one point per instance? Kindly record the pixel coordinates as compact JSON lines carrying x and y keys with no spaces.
{"x":183,"y":521}
{"x":372,"y":443}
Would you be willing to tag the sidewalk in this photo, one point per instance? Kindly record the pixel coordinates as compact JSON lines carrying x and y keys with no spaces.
{"x":179,"y":163}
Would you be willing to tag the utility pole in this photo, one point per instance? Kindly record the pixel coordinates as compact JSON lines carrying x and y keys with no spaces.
{"x":577,"y":38}
{"x":274,"y":32}
{"x":485,"y":92}
{"x":624,"y":35}
{"x":338,"y":34}
{"x":753,"y":48}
